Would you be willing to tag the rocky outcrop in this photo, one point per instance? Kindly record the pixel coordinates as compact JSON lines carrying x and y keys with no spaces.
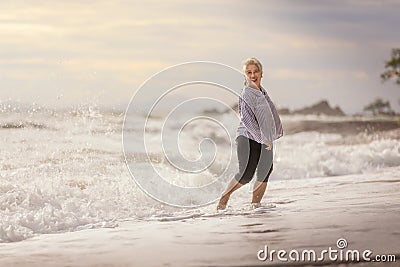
{"x":320,"y":108}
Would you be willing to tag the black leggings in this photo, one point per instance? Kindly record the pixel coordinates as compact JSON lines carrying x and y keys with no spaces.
{"x":252,"y":155}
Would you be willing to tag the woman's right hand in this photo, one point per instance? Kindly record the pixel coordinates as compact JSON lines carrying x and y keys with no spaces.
{"x":268,"y":145}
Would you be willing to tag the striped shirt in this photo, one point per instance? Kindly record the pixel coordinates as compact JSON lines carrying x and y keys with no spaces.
{"x":259,"y":119}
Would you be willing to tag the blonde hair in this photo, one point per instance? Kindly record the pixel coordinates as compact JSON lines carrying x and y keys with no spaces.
{"x":252,"y":61}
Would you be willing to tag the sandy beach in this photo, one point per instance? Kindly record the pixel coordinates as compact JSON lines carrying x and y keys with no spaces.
{"x":313,"y":214}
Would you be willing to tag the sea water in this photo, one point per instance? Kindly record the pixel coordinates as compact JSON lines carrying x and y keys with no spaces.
{"x":65,"y":170}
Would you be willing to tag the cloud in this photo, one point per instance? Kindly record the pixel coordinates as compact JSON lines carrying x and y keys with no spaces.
{"x":313,"y":75}
{"x":118,"y":44}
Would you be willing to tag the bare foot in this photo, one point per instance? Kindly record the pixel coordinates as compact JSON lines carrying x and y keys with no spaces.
{"x":255,"y":205}
{"x":221,"y":207}
{"x":223,"y":202}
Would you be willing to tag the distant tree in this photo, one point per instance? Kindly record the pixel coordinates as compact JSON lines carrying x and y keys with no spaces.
{"x":392,"y":67}
{"x":379,"y":107}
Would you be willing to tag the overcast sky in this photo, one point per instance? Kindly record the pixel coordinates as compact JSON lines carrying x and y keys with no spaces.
{"x":60,"y":53}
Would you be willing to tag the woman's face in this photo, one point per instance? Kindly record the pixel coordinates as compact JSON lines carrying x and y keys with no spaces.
{"x":254,"y":74}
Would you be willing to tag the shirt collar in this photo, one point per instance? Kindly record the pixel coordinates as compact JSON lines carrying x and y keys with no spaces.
{"x":257,"y":92}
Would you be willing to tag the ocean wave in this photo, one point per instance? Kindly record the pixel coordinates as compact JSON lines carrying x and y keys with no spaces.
{"x":312,"y":154}
{"x":75,"y":176}
{"x":21,"y":125}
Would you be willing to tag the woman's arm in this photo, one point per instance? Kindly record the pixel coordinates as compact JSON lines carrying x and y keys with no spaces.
{"x":257,"y":117}
{"x":266,"y":122}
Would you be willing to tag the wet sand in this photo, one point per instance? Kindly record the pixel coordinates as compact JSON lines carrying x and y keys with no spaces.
{"x":345,"y":128}
{"x":313,"y":214}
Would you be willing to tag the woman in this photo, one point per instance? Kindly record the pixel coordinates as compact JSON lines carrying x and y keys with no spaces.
{"x":259,"y":126}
